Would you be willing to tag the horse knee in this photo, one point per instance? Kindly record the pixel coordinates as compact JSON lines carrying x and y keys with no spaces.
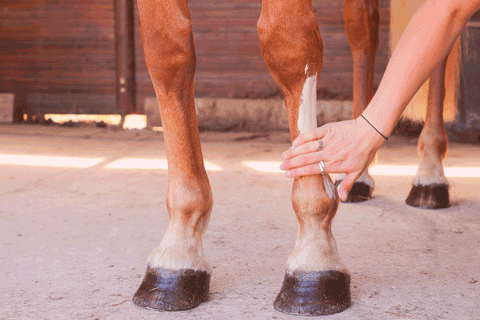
{"x":291,"y":46}
{"x":361,"y":19}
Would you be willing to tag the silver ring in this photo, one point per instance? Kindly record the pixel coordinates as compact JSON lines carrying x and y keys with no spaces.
{"x":320,"y":145}
{"x":321,"y":165}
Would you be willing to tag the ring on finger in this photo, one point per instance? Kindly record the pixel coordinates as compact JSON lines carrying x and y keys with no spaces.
{"x":320,"y":145}
{"x":321,"y":165}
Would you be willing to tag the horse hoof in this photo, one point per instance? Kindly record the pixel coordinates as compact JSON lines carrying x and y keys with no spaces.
{"x":360,"y":192}
{"x":172,"y":290}
{"x":434,"y":196}
{"x":314,"y":293}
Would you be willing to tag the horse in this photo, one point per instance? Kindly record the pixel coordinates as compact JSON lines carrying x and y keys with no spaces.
{"x":178,"y":273}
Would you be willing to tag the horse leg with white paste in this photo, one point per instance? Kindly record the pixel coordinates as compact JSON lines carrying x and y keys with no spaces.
{"x":430,"y":187}
{"x":361,"y":24}
{"x":178,"y":273}
{"x":316,"y":280}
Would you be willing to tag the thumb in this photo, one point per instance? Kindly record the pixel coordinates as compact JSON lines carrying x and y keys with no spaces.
{"x":347,"y":184}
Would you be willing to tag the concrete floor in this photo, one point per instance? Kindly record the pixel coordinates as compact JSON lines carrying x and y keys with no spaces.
{"x":74,"y":240}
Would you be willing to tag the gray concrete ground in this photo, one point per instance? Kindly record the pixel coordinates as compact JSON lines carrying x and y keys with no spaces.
{"x":74,"y":240}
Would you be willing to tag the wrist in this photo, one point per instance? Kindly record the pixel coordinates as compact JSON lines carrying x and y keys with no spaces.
{"x":374,"y":128}
{"x":370,"y":135}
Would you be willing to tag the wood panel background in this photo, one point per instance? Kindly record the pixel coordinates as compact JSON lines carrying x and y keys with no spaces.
{"x":58,"y":55}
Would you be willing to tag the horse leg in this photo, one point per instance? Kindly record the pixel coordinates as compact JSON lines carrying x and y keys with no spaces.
{"x":316,"y":280}
{"x":429,"y":186}
{"x":361,"y":24}
{"x":178,"y":273}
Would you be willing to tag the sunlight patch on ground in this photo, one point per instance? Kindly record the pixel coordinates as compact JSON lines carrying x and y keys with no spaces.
{"x":264,"y":166}
{"x":150,"y":164}
{"x":49,"y":161}
{"x":398,"y":170}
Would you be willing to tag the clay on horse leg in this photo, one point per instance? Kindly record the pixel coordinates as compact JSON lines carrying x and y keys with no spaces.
{"x":429,"y":186}
{"x":316,"y":280}
{"x":361,"y":24}
{"x":178,"y":273}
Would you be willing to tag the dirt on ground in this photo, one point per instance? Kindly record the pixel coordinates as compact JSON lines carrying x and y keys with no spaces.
{"x":75,"y":235}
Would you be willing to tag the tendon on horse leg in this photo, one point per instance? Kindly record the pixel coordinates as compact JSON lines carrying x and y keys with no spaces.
{"x":316,"y":280}
{"x":178,"y":273}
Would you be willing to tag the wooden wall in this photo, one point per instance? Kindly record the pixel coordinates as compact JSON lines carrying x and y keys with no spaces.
{"x":58,"y":55}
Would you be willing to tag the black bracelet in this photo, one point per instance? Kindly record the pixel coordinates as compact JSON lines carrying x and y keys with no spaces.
{"x":374,"y":127}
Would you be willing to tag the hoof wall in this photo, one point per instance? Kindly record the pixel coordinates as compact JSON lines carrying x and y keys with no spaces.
{"x":314,"y":293}
{"x":172,"y":290}
{"x":433,"y":196}
{"x":360,"y":192}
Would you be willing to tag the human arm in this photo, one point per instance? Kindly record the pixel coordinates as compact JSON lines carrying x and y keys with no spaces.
{"x":349,"y":146}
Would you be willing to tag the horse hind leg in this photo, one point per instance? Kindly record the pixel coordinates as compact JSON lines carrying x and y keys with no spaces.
{"x":430,"y":188}
{"x":316,"y":280}
{"x":361,"y":25}
{"x":178,"y":273}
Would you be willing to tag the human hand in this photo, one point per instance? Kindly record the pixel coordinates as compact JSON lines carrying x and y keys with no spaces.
{"x":346,"y":147}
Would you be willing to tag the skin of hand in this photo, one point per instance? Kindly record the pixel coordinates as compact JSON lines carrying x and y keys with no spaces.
{"x":425,"y":43}
{"x":348,"y":146}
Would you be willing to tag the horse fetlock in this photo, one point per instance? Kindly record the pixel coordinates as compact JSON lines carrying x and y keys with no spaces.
{"x":189,"y":203}
{"x":314,"y":199}
{"x":433,"y":143}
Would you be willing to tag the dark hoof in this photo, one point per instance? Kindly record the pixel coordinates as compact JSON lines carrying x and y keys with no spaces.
{"x":172,"y":290}
{"x":433,"y":196}
{"x":360,"y":192}
{"x":314,"y":293}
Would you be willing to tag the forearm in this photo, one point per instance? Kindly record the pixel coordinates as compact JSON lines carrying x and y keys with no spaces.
{"x":425,"y":43}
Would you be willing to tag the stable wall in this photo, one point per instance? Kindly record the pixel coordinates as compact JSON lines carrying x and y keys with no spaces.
{"x":58,"y":56}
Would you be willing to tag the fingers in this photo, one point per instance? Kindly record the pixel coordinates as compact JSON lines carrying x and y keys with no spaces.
{"x":347,"y":184}
{"x":302,"y":160}
{"x":314,"y":134}
{"x":309,"y":147}
{"x":303,"y":171}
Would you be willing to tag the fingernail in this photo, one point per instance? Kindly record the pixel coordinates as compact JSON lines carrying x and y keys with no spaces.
{"x":284,"y":156}
{"x":282,"y":167}
{"x":288,"y":174}
{"x":344,"y":195}
{"x":291,"y":147}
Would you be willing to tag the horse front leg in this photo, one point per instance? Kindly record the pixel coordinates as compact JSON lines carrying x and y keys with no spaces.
{"x":429,"y":186}
{"x":316,"y":280}
{"x":178,"y":273}
{"x":361,"y":25}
